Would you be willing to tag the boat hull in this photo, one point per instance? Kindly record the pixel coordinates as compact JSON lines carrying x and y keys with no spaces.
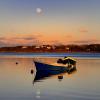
{"x":46,"y":67}
{"x":46,"y":70}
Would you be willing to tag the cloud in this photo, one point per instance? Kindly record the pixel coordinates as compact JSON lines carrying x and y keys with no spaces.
{"x":38,"y":39}
{"x":86,"y":41}
{"x":2,"y":44}
{"x":19,"y":40}
{"x":2,"y":38}
{"x":69,"y":36}
{"x":29,"y":38}
{"x":83,"y":30}
{"x":56,"y":42}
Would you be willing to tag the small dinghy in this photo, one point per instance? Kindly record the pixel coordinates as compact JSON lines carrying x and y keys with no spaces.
{"x":52,"y":69}
{"x":46,"y":70}
{"x":42,"y":66}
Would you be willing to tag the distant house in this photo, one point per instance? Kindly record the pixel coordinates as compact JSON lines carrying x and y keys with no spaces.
{"x":24,"y":47}
{"x":37,"y":47}
{"x":49,"y":47}
{"x":67,"y":48}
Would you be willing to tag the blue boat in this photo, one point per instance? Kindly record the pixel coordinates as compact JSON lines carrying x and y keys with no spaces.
{"x":45,"y":70}
{"x":47,"y":67}
{"x":50,"y":68}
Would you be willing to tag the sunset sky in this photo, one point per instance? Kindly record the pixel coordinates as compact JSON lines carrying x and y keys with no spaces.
{"x":29,"y":22}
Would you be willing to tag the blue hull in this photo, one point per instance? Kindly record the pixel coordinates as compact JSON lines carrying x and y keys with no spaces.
{"x":41,"y":66}
{"x":46,"y":70}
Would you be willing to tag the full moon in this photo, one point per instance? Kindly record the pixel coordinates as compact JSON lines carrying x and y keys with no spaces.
{"x":38,"y":10}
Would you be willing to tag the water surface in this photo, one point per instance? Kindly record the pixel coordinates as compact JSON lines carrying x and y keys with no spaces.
{"x":17,"y":83}
{"x":31,"y":55}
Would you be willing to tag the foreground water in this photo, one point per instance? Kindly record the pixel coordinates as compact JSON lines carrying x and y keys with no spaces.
{"x":17,"y":83}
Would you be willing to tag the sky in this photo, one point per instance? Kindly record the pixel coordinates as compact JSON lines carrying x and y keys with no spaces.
{"x":36,"y":22}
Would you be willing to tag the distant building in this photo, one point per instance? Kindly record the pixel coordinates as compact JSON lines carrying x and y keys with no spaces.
{"x":48,"y":47}
{"x":24,"y":47}
{"x":37,"y":47}
{"x":67,"y":48}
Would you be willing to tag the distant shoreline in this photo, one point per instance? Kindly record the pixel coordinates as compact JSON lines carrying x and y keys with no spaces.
{"x":91,"y":48}
{"x":46,"y":52}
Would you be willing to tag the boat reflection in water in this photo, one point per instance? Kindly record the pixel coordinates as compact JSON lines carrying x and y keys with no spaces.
{"x":45,"y":71}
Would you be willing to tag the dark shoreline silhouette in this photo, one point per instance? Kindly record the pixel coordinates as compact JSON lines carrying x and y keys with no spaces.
{"x":53,"y":48}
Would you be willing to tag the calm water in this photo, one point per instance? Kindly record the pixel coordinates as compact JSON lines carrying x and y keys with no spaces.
{"x":31,"y":55}
{"x":17,"y":83}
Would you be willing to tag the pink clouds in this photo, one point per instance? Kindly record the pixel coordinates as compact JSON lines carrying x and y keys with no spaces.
{"x":19,"y":40}
{"x":38,"y":39}
{"x":83,"y":30}
{"x":90,"y":41}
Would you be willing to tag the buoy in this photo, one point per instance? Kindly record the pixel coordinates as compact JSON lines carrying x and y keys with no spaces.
{"x":16,"y":63}
{"x":32,"y":71}
{"x":60,"y":78}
